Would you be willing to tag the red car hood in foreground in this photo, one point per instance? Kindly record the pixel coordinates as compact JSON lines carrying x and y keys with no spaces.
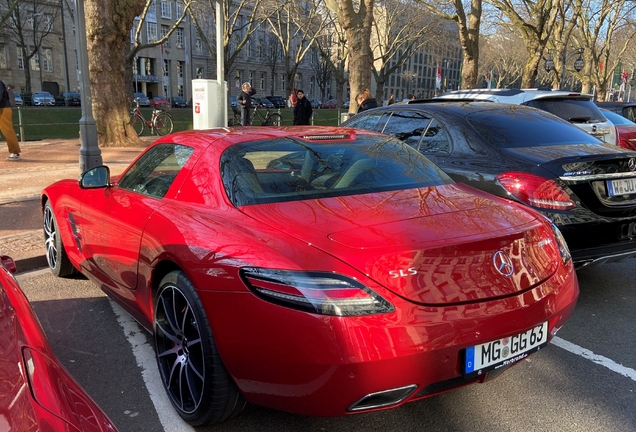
{"x":410,"y":241}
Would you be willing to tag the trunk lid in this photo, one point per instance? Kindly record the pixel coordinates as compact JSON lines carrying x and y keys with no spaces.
{"x":442,"y":245}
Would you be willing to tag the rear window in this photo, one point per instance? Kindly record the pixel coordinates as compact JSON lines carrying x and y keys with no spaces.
{"x":526,"y":128}
{"x":617,"y":119}
{"x":291,"y":169}
{"x":572,"y":110}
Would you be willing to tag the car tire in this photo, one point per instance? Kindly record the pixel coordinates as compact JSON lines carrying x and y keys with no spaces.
{"x":56,"y":256}
{"x":192,"y":372}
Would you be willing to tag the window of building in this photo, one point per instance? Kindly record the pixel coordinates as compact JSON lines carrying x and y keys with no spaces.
{"x":166,"y":9}
{"x":179,"y":41}
{"x":180,"y":90}
{"x":3,"y":57}
{"x":179,"y":9}
{"x":47,"y":59}
{"x":166,"y":67}
{"x":198,"y":44}
{"x":180,"y":69}
{"x":282,"y":81}
{"x":262,"y":80}
{"x":35,"y":62}
{"x":164,"y":31}
{"x":199,"y":72}
{"x":151,"y":32}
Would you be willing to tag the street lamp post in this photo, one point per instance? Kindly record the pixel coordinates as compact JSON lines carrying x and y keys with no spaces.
{"x":68,"y":82}
{"x":90,"y":155}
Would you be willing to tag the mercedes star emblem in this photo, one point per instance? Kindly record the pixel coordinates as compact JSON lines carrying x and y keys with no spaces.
{"x":503,"y":263}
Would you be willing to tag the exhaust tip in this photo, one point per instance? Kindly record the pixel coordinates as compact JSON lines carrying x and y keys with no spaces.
{"x":383,"y":398}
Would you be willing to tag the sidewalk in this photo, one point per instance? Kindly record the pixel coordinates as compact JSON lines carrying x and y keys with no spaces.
{"x":43,"y":162}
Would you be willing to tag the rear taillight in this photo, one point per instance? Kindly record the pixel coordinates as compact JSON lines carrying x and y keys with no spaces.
{"x":316,"y":292}
{"x":536,"y":191}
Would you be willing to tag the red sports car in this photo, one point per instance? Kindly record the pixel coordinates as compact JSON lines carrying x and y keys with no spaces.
{"x":36,"y":392}
{"x":321,"y":271}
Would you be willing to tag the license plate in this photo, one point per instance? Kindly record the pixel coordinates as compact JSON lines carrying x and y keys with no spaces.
{"x":505,"y":352}
{"x":621,"y":187}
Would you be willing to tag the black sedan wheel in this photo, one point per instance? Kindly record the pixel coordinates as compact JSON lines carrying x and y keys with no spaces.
{"x":56,"y":256}
{"x":199,"y":387}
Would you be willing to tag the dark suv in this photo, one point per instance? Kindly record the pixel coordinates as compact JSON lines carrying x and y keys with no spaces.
{"x":585,"y":186}
{"x":278,"y":101}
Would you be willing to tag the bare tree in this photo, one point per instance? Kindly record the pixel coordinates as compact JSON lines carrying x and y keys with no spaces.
{"x":502,"y":57}
{"x":356,"y":22}
{"x":241,"y":18}
{"x":333,"y":47}
{"x":323,"y":70}
{"x":535,"y":21}
{"x":12,"y":4}
{"x":28,"y":24}
{"x":601,"y":21}
{"x":296,"y":26}
{"x":468,"y":19}
{"x":273,"y":56}
{"x":400,"y":28}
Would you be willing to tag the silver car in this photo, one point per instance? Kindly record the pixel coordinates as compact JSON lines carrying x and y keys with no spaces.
{"x":42,"y":99}
{"x":577,"y":108}
{"x":18,"y":99}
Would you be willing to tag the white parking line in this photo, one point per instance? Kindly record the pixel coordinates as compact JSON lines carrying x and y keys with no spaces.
{"x":145,"y":356}
{"x":598,"y":359}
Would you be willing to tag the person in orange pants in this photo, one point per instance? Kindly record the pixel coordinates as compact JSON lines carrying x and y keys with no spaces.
{"x":6,"y":123}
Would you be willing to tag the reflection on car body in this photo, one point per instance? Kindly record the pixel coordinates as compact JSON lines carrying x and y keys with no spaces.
{"x":531,"y":156}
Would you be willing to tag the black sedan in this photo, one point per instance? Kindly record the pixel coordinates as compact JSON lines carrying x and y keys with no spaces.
{"x":178,"y":102}
{"x":586,"y":187}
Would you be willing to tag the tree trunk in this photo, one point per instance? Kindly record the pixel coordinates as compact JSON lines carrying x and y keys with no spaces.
{"x":469,"y":40}
{"x":108,"y":24}
{"x":357,"y":27}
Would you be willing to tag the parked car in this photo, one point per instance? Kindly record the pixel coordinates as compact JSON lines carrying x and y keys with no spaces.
{"x":626,"y":109}
{"x":18,"y":99}
{"x":586,"y":187}
{"x":36,"y":391}
{"x":233,"y":101}
{"x":265,"y":103}
{"x":160,"y":102}
{"x":142,"y":99}
{"x":331,"y":103}
{"x":320,"y":271}
{"x":178,"y":102}
{"x":315,"y":103}
{"x":68,"y":99}
{"x":625,"y":129}
{"x":278,"y":101}
{"x":42,"y":99}
{"x":577,"y":108}
{"x":345,"y":105}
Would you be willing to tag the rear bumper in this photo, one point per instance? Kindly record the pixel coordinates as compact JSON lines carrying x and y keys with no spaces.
{"x":322,"y":365}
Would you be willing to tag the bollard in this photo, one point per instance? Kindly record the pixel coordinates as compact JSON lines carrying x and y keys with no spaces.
{"x":20,"y":125}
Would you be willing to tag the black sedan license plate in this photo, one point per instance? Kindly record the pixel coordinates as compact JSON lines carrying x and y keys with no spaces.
{"x":621,"y":187}
{"x":506,"y":351}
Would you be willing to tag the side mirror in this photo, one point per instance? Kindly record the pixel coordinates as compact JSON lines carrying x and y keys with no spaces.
{"x":95,"y":178}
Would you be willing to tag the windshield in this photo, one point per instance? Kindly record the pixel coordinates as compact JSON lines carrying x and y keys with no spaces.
{"x":526,"y":128}
{"x":290,"y":169}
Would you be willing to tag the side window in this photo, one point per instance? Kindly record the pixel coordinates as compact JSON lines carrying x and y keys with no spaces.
{"x":368,"y":122}
{"x":434,"y":139}
{"x":630,"y":113}
{"x":154,"y":172}
{"x":408,"y":126}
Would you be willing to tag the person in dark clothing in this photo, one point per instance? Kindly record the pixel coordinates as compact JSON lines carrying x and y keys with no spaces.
{"x":303,"y":111}
{"x":365,"y":101}
{"x":391,"y":100}
{"x":245,"y":101}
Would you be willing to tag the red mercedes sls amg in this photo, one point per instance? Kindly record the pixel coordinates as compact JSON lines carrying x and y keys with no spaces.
{"x":321,"y":271}
{"x":36,"y":392}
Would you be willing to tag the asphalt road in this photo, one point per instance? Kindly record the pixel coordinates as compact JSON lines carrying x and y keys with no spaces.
{"x":590,"y":385}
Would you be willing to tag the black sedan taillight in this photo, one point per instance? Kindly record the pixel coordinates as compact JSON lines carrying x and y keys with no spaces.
{"x":536,"y":191}
{"x":316,"y":292}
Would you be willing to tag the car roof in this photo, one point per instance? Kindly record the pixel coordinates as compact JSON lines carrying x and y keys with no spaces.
{"x":515,"y":96}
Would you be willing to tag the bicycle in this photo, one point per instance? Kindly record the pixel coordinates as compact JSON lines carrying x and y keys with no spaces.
{"x":161,"y":122}
{"x":267,"y":119}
